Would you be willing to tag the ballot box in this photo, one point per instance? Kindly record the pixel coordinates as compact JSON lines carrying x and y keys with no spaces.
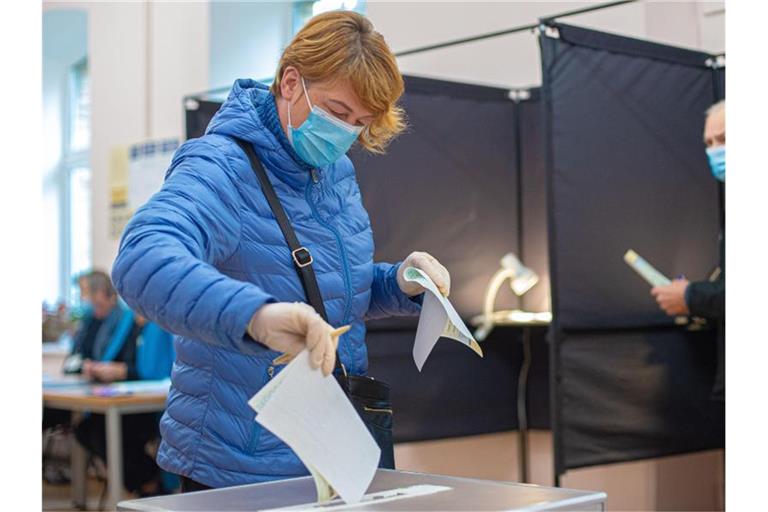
{"x":390,"y":490}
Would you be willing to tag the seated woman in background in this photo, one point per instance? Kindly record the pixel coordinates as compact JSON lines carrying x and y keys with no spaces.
{"x":101,"y":316}
{"x":145,"y":352}
{"x":142,"y":352}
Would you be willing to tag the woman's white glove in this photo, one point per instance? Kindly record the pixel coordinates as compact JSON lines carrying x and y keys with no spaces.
{"x":430,"y":266}
{"x":290,"y":327}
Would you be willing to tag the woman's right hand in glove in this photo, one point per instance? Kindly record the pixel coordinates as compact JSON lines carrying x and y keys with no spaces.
{"x":289,"y":327}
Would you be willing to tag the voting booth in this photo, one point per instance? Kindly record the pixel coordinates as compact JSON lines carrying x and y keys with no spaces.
{"x":419,"y":197}
{"x":451,"y":185}
{"x":626,"y":170}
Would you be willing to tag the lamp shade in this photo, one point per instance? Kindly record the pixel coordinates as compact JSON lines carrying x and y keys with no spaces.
{"x":523,"y":278}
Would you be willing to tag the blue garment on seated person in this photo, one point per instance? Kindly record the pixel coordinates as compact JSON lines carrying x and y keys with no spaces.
{"x":154,"y":352}
{"x":105,"y":343}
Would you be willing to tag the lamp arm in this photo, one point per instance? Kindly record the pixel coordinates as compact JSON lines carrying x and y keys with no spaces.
{"x":493,"y":290}
{"x":490,"y":298}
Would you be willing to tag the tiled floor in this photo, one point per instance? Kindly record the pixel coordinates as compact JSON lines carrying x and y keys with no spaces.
{"x":685,"y":482}
{"x":59,"y":497}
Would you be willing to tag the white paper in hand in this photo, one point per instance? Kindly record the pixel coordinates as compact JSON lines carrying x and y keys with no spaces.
{"x":313,"y":416}
{"x":438,"y":319}
{"x":645,"y":269}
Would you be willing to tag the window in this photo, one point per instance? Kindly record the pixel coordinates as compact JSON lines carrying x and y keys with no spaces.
{"x":80,"y":120}
{"x":303,"y":11}
{"x":80,"y":226}
{"x":65,"y":147}
{"x":76,"y":179}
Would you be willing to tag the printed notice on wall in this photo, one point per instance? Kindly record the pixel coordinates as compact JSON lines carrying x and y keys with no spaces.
{"x":136,"y":173}
{"x":119,"y":213}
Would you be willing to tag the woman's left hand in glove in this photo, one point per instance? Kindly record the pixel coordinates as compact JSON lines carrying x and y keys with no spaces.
{"x":430,"y":266}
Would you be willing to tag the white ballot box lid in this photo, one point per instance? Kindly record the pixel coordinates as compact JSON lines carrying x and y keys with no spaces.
{"x":461,"y":494}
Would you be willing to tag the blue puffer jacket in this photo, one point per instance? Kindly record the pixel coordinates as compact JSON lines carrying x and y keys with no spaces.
{"x":206,"y":252}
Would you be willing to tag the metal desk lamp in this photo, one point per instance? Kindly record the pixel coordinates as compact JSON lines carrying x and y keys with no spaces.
{"x":521,"y":279}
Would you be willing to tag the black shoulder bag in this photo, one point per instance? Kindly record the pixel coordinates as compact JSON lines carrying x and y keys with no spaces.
{"x":370,"y":397}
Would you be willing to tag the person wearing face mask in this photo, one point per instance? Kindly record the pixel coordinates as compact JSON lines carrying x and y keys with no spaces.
{"x":705,"y":299}
{"x":102,"y":320}
{"x":206,"y":259}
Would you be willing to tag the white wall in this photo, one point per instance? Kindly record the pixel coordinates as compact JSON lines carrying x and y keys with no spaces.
{"x":143,"y":58}
{"x":118,"y":72}
{"x":179,"y":62}
{"x":247,"y":39}
{"x":712,"y":34}
{"x":513,"y":60}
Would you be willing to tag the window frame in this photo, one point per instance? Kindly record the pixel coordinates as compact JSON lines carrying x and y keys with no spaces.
{"x":302,"y":12}
{"x":71,"y":160}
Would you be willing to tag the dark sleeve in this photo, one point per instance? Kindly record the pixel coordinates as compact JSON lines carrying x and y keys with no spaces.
{"x":79,"y":339}
{"x":706,"y":299}
{"x":127,"y":354}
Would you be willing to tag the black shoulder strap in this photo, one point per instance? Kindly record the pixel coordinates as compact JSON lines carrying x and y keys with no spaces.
{"x":302,"y":259}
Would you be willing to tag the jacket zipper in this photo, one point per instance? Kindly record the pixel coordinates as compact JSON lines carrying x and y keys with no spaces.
{"x":342,"y":250}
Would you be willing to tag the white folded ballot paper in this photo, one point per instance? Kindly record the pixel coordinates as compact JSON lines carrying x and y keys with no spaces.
{"x":645,"y":269}
{"x":651,"y":275}
{"x":438,"y":319}
{"x":313,"y":416}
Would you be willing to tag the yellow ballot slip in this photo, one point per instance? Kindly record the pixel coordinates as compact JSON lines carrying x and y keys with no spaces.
{"x":438,"y":320}
{"x":312,"y":414}
{"x":645,"y":269}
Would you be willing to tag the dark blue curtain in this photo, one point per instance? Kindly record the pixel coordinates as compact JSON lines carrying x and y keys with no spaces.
{"x":626,"y":168}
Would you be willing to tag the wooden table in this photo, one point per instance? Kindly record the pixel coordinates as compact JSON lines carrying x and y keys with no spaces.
{"x":78,"y":396}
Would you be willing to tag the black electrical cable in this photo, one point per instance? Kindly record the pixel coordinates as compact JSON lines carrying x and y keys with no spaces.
{"x":522,"y":402}
{"x":586,"y":9}
{"x":464,"y":40}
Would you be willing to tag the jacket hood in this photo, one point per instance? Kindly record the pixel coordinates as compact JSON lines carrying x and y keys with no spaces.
{"x":250,"y":113}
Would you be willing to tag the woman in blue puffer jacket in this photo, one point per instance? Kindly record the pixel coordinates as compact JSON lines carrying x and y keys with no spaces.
{"x":206,"y":260}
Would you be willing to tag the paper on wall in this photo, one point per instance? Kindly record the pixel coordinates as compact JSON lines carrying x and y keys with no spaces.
{"x":119,"y":210}
{"x":313,"y":416}
{"x":148,"y":162}
{"x":438,"y":319}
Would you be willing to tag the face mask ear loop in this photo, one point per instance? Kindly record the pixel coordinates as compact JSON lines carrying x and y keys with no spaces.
{"x":304,"y":86}
{"x":304,"y":89}
{"x":289,"y":115}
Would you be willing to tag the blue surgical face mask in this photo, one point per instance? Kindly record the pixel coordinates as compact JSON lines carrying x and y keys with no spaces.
{"x":322,"y":138}
{"x":716,"y":156}
{"x":83,"y":309}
